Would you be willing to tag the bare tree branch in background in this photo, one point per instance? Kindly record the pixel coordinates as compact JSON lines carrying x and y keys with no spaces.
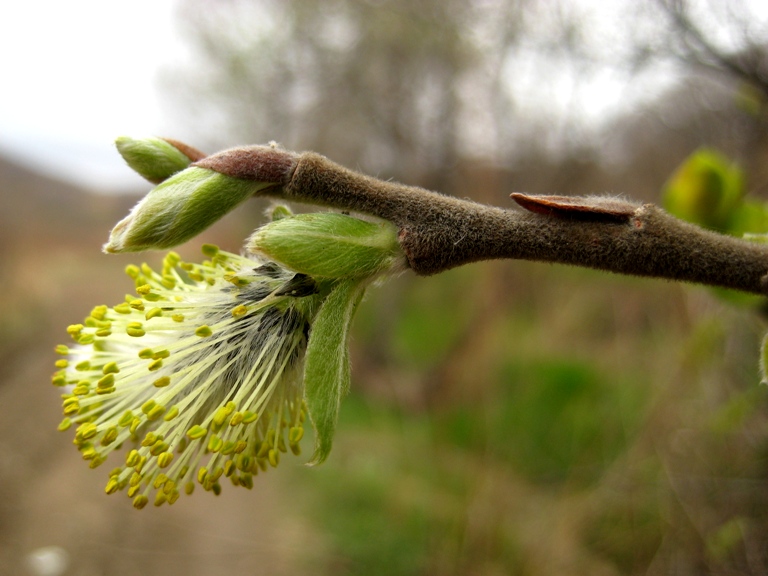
{"x":746,"y":59}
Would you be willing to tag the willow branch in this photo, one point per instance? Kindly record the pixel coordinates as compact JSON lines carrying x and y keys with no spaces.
{"x":439,"y":232}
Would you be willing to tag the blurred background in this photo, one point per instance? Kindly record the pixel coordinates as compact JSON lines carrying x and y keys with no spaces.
{"x":505,"y":417}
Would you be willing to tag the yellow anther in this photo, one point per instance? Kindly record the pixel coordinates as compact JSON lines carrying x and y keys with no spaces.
{"x":228,"y":448}
{"x":143,"y":289}
{"x":112,"y":486}
{"x":86,"y":431}
{"x":104,"y":391}
{"x":164,"y":353}
{"x":146,"y":353}
{"x":177,"y":317}
{"x":132,"y":270}
{"x":168,"y":282}
{"x":221,"y":415}
{"x":229,"y":468}
{"x":99,"y":312}
{"x":132,"y":458}
{"x":135,"y":332}
{"x":196,"y":432}
{"x":156,"y":412}
{"x":240,"y":446}
{"x":140,"y":501}
{"x":62,"y":363}
{"x":296,"y":449}
{"x":135,"y":423}
{"x":82,"y":388}
{"x":202,"y":474}
{"x":171,"y":414}
{"x":125,"y":419}
{"x":62,"y":350}
{"x":103,"y":332}
{"x":237,"y":417}
{"x":189,"y":487}
{"x":263,"y":450}
{"x":210,"y":250}
{"x":203,"y":331}
{"x":239,"y":311}
{"x":97,"y":461}
{"x":109,"y":436}
{"x":244,"y":462}
{"x":152,"y":297}
{"x":236,"y":280}
{"x":59,"y":379}
{"x":122,"y":308}
{"x":106,"y":381}
{"x":164,"y":460}
{"x":88,"y":452}
{"x":74,"y":329}
{"x":154,"y":313}
{"x":197,"y":277}
{"x":155,"y":365}
{"x":86,"y":339}
{"x":172,"y":258}
{"x":146,"y":407}
{"x":215,"y":443}
{"x":160,"y":498}
{"x":137,"y":305}
{"x":274,"y":457}
{"x":246,"y":480}
{"x":110,"y":368}
{"x":216,"y":488}
{"x":295,"y":434}
{"x":162,"y":382}
{"x":169,"y":488}
{"x":71,"y":407}
{"x":158,"y":448}
{"x":65,"y":424}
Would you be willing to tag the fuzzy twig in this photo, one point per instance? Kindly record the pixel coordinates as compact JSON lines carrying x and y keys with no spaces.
{"x":439,"y":232}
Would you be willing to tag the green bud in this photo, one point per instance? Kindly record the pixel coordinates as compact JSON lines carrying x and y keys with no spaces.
{"x":707,"y":190}
{"x":325,"y":245}
{"x":156,"y":159}
{"x":178,"y":209}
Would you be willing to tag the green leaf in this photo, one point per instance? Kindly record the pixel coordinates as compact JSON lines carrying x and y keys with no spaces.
{"x":326,"y":369}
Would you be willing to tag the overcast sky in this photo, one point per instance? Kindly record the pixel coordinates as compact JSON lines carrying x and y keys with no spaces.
{"x":78,"y":73}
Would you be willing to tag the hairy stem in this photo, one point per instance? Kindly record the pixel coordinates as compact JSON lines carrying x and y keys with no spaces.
{"x":439,"y":232}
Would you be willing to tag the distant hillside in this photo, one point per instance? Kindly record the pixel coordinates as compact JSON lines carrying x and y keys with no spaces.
{"x":35,"y":207}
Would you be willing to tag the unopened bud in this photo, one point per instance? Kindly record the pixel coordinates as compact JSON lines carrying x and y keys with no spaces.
{"x":326,"y":245}
{"x":178,"y":209}
{"x":156,"y":159}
